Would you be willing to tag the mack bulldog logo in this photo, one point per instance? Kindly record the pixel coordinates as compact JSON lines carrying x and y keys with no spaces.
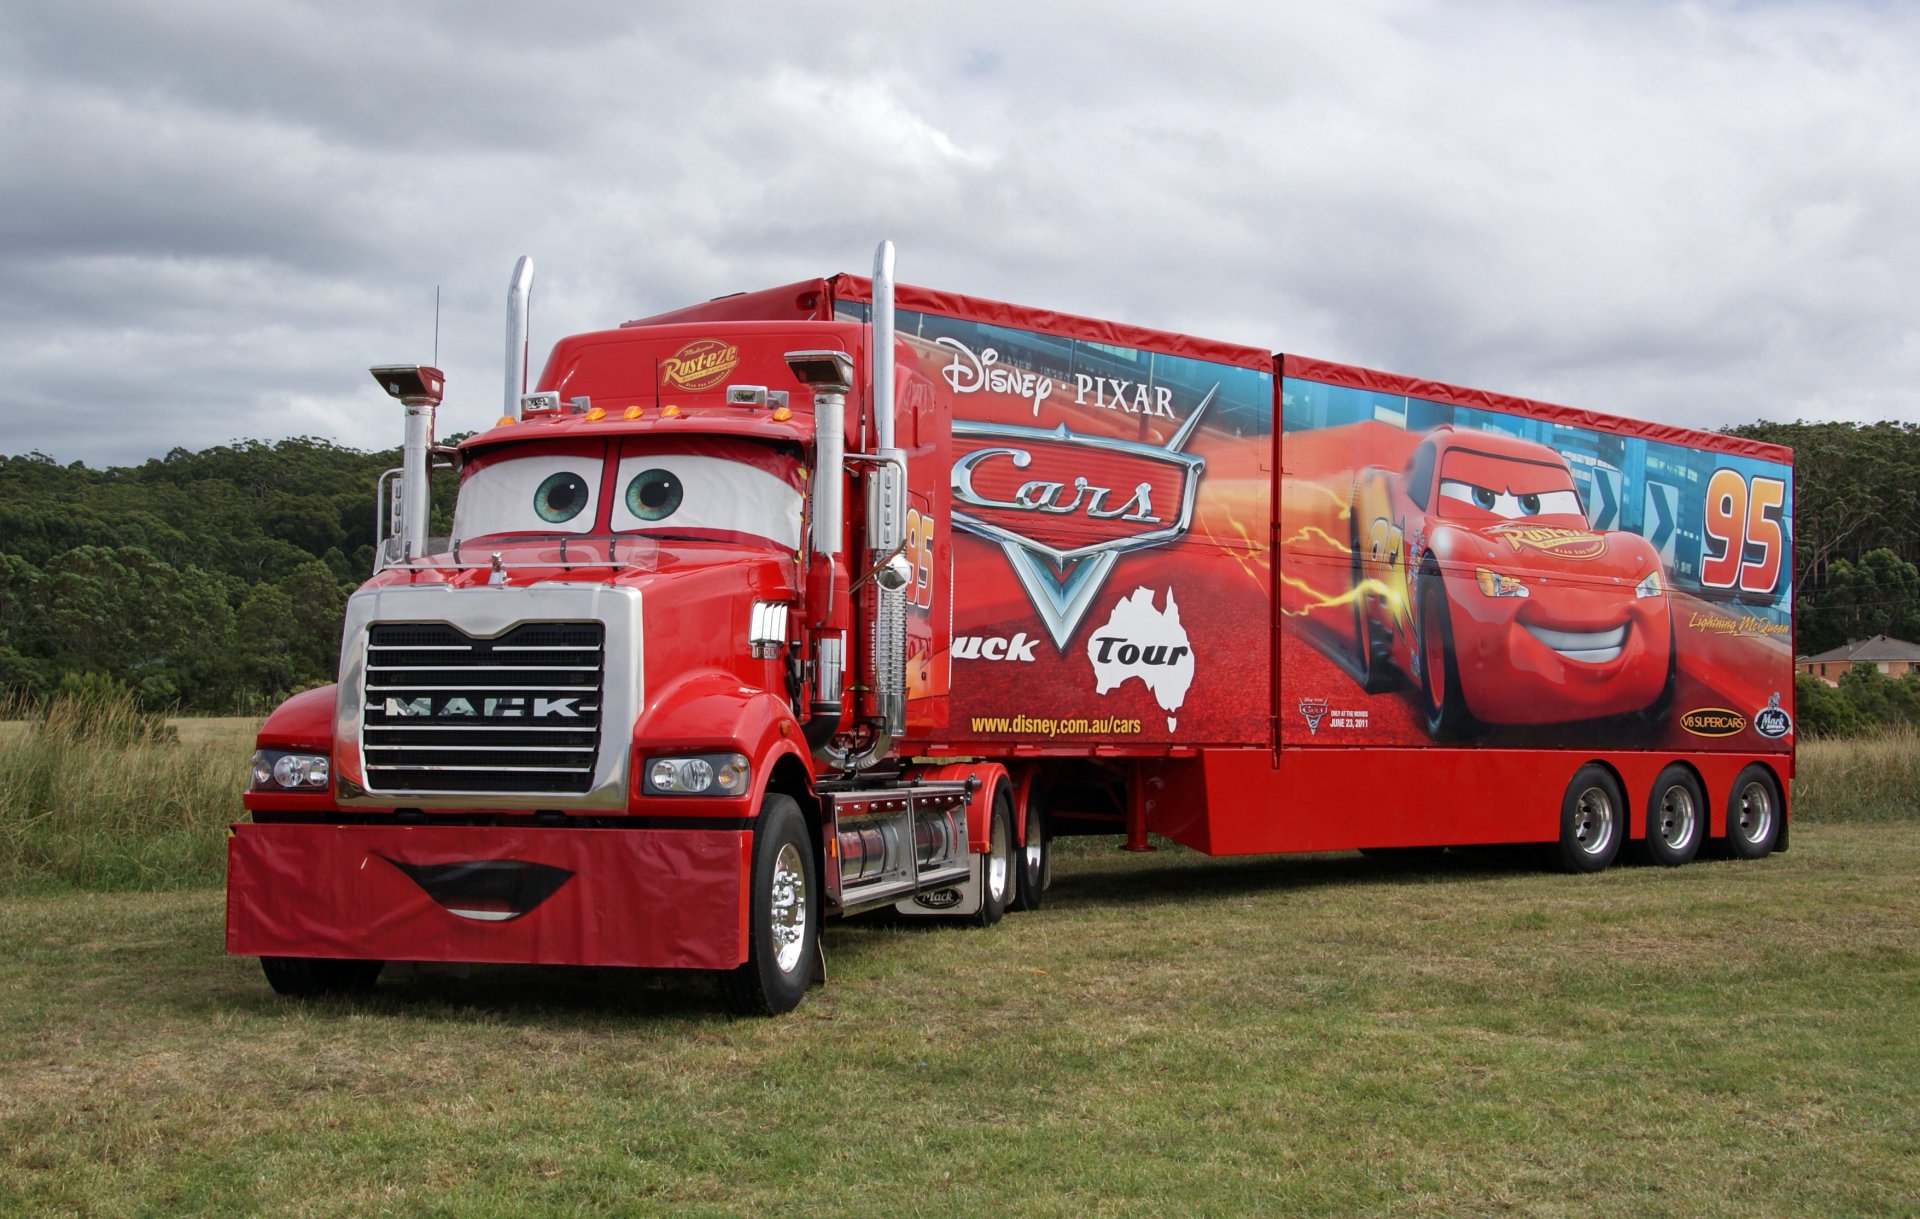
{"x":701,"y":364}
{"x":1772,"y":721}
{"x":1064,"y":507}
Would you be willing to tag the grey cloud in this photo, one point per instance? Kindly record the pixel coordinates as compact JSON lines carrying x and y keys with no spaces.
{"x":217,"y":216}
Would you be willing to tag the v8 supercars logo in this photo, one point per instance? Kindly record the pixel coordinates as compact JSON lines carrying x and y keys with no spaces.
{"x":1064,"y":507}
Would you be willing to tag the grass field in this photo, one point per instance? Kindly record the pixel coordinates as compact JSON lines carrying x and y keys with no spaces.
{"x":1172,"y":1035}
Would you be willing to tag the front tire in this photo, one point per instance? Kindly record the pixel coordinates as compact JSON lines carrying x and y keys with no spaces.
{"x":784,"y":909}
{"x":1592,"y":820}
{"x":1372,"y":654}
{"x":1441,"y":700}
{"x":1753,"y":814}
{"x":309,"y":977}
{"x":1676,"y":817}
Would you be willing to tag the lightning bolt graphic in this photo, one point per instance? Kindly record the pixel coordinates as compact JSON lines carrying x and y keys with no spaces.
{"x":1324,"y":600}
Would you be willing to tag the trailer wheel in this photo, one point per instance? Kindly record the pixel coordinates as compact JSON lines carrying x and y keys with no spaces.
{"x":784,"y":909}
{"x":998,"y":867}
{"x":1676,"y":812}
{"x":1592,"y":816}
{"x":1036,"y":859}
{"x":1753,"y":814}
{"x":1440,"y":696}
{"x":305,"y":977}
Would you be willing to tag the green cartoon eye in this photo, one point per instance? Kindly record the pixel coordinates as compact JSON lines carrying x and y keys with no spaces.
{"x":560,"y":497}
{"x":654,"y":495}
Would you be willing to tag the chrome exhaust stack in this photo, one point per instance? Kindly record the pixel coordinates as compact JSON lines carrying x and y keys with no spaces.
{"x":519,"y":312}
{"x":886,"y":518}
{"x":419,"y":389}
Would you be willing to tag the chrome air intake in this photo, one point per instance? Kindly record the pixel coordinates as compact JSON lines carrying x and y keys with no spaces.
{"x":445,"y":711}
{"x":507,"y":697}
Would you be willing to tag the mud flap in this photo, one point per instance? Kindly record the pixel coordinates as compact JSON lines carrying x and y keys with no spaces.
{"x":951,"y":901}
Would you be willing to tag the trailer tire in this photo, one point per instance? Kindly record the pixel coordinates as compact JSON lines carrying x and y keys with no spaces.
{"x":1753,"y":814}
{"x":997,"y":866}
{"x":1592,"y":820}
{"x":1676,"y":818}
{"x":1440,"y":697}
{"x":783,"y":912}
{"x":308,"y":977}
{"x":1373,"y":655}
{"x":1036,"y":859}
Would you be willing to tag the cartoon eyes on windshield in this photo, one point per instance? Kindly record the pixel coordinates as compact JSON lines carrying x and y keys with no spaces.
{"x":1507,"y":504}
{"x":654,"y":494}
{"x":560,"y":497}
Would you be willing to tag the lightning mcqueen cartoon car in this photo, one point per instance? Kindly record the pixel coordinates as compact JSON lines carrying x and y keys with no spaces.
{"x":1477,"y":575}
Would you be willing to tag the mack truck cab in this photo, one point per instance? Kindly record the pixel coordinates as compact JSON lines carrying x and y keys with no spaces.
{"x":646,"y":706}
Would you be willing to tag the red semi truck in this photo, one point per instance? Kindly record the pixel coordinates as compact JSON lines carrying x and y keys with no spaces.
{"x":843,"y":595}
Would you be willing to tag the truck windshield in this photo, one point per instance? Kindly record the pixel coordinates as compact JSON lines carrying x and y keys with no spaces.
{"x":716,"y":489}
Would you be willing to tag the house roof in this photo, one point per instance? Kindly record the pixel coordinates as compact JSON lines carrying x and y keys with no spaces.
{"x":1879,"y":648}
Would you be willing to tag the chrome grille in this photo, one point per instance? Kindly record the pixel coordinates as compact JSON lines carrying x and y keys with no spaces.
{"x":445,"y":712}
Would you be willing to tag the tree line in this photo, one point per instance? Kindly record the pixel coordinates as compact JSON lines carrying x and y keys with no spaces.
{"x":210,"y":581}
{"x":215,"y":581}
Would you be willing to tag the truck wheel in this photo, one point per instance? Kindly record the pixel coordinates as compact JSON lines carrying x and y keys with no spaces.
{"x":1371,"y":648}
{"x":305,"y":977}
{"x":1592,"y":816}
{"x":1036,"y":861}
{"x":997,"y":868}
{"x":1445,"y":706}
{"x":1753,"y":814}
{"x":784,"y":909}
{"x":1675,"y":817}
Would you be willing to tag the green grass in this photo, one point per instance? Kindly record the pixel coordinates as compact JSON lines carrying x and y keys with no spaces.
{"x":1172,"y":1035}
{"x":102,"y":797}
{"x":1869,"y":778}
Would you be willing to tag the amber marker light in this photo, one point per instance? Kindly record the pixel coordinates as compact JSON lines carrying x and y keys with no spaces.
{"x":782,"y":414}
{"x":669,"y":412}
{"x":596,"y":415}
{"x":632,"y":412}
{"x":506,"y":421}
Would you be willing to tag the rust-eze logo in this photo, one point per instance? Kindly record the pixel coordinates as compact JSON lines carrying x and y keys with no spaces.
{"x":1553,"y":540}
{"x":1713,"y":721}
{"x":701,"y":364}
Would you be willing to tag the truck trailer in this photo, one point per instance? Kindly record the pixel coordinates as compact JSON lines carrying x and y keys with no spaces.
{"x":848,"y":595}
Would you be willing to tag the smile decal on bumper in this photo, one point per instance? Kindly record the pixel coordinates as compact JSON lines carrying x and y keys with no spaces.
{"x":486,"y":890}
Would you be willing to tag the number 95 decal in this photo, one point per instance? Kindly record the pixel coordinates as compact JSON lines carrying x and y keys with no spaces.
{"x":1745,"y":543}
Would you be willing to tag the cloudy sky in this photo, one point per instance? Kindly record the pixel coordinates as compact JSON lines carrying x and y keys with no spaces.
{"x":215,"y":216}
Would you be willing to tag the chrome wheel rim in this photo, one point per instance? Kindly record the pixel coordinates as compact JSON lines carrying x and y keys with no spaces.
{"x":787,"y":911}
{"x":1755,"y":818}
{"x":1678,"y":817}
{"x":1593,"y":818}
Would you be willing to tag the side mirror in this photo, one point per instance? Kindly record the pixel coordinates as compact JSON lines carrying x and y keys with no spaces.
{"x":895,"y":574}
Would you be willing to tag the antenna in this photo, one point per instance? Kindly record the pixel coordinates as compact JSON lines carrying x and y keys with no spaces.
{"x":436,"y":325}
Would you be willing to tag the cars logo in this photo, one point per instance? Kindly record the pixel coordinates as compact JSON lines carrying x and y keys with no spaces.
{"x":1063,"y":507}
{"x":701,"y":364}
{"x":1553,"y":540}
{"x":1713,"y":721}
{"x":1313,"y":710}
{"x":1771,"y":721}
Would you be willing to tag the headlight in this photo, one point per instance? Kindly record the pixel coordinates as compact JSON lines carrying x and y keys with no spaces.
{"x":1651,"y":586}
{"x":1493,"y":584}
{"x":290,"y":771}
{"x":708,"y":774}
